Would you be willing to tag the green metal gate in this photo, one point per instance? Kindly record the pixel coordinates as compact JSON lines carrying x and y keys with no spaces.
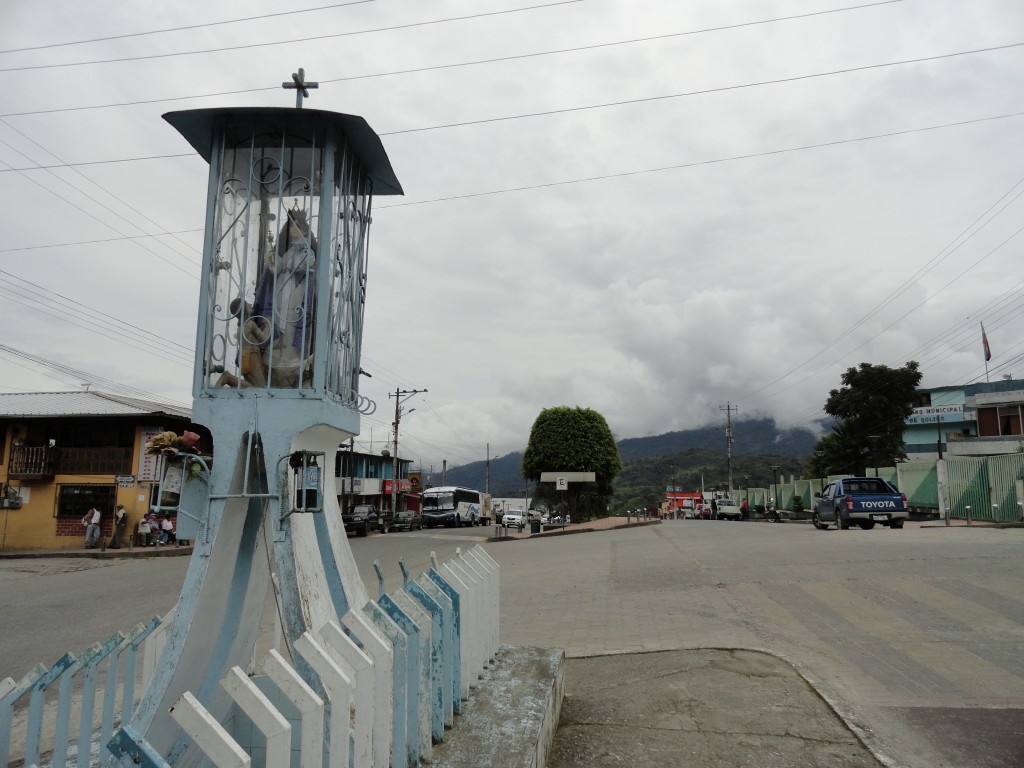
{"x":1004,"y":471}
{"x":969,"y":487}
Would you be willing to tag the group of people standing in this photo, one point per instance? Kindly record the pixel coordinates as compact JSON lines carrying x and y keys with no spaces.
{"x":152,"y":530}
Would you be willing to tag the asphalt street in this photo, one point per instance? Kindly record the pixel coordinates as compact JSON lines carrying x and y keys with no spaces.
{"x":914,"y":637}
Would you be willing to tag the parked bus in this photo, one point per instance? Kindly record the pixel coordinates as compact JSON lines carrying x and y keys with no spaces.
{"x":452,"y":506}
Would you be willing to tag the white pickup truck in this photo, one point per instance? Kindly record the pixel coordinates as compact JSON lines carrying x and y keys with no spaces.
{"x":514,"y":518}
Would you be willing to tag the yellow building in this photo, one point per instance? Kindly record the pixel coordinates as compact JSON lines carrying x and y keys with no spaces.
{"x":61,"y":453}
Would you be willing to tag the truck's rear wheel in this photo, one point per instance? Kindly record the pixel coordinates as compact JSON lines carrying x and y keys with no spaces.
{"x":896,"y":524}
{"x":842,"y":523}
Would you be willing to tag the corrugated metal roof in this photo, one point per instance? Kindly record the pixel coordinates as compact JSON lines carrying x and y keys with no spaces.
{"x":38,"y":404}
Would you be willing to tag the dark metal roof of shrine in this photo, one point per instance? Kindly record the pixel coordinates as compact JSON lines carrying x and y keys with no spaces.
{"x":198,"y":127}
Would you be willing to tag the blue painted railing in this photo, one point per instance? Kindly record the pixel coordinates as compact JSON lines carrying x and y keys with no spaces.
{"x":69,"y":689}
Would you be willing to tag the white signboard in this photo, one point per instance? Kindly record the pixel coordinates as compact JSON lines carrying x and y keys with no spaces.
{"x":125,"y":481}
{"x":933,"y":413}
{"x":561,"y":484}
{"x":148,"y":465}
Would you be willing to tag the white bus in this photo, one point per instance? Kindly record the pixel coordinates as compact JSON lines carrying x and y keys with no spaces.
{"x":452,"y":506}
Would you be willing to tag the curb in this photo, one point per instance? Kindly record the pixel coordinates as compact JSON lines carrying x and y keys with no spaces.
{"x":568,"y":532}
{"x":104,"y":554}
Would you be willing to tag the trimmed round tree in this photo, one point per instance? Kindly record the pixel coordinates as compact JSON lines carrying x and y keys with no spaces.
{"x":565,"y":439}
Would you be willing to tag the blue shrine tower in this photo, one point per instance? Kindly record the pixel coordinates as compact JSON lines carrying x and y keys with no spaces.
{"x":276,"y":381}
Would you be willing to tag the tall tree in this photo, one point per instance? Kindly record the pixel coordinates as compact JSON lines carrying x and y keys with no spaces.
{"x":564,"y":439}
{"x":871,"y":408}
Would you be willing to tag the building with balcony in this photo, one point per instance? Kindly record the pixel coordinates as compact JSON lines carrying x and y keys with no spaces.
{"x":368,"y":478}
{"x":61,"y":453}
{"x":981,"y":419}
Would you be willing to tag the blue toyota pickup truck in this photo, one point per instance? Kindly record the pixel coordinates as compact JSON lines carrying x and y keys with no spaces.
{"x":863,"y":501}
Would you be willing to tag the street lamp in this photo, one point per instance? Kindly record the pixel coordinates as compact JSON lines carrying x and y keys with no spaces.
{"x":775,"y":484}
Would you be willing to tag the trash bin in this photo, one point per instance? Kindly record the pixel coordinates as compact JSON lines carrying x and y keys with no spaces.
{"x":535,"y":526}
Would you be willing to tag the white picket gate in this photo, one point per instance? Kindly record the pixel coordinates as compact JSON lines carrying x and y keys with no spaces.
{"x":360,"y":678}
{"x":60,"y":725}
{"x":394,"y":675}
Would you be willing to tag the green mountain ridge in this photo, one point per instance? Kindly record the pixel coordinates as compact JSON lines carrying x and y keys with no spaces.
{"x":651,"y":462}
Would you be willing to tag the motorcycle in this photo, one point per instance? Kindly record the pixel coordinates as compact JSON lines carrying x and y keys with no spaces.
{"x":771,"y":514}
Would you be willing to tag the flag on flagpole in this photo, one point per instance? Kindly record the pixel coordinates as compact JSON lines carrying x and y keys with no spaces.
{"x":984,"y":343}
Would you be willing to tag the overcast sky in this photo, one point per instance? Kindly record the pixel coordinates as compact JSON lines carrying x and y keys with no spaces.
{"x":652,"y":208}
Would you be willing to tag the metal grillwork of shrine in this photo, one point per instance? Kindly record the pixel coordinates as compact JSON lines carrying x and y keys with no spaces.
{"x":285,"y":258}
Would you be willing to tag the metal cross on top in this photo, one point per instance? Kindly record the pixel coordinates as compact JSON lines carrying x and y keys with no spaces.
{"x":300,"y":86}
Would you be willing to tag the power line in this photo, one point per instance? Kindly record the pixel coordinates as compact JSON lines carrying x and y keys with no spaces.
{"x":109,"y":226}
{"x":454,"y":65}
{"x":95,"y":242}
{"x":125,"y":326}
{"x":93,"y":162}
{"x":119,"y":338}
{"x":949,"y":250}
{"x":546,"y":113}
{"x":106,"y":191}
{"x":127,"y":35}
{"x":67,"y":370}
{"x":945,"y":335}
{"x":940,"y":290}
{"x":272,"y":43}
{"x":702,"y":92}
{"x":698,"y":163}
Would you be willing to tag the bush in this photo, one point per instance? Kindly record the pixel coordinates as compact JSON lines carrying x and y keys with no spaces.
{"x":798,"y":506}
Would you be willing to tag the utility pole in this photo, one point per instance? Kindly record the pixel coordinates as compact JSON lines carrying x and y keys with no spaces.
{"x":487,"y":472}
{"x":728,"y":438}
{"x":401,"y":395}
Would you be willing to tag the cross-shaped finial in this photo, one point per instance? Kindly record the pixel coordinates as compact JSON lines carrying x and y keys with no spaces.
{"x":300,"y":86}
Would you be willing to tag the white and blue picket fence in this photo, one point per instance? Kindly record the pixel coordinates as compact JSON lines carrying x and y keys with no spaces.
{"x":394,"y":675}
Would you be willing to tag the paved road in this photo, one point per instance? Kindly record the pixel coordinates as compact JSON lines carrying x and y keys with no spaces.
{"x":51,"y":606}
{"x":915,"y":636}
{"x":54,"y":605}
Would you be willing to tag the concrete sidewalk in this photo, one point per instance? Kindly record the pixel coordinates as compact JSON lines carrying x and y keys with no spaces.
{"x":710,"y":708}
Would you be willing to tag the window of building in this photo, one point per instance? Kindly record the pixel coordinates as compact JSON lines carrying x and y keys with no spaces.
{"x":344,"y":464}
{"x":1001,"y":420}
{"x":922,"y":399}
{"x":988,"y":422}
{"x":1009,"y":420}
{"x":76,"y":500}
